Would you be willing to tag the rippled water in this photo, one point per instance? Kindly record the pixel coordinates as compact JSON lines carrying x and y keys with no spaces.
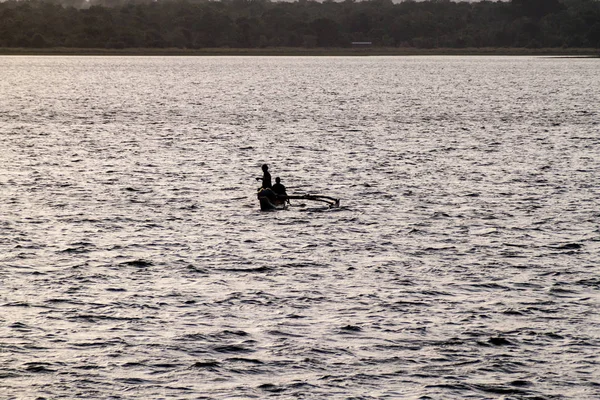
{"x":463,"y":263}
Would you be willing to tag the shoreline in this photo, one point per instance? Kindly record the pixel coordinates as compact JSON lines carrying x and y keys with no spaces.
{"x":298,"y":51}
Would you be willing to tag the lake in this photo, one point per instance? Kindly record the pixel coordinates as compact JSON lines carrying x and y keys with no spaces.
{"x":463,"y":263}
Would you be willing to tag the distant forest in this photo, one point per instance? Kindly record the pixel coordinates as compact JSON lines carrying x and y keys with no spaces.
{"x":198,"y":24}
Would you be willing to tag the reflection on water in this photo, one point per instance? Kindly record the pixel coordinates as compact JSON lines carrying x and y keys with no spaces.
{"x":135,"y":262}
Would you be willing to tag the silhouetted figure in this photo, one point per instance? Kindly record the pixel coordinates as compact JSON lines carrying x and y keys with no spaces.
{"x":278,"y":188}
{"x":266,"y":179}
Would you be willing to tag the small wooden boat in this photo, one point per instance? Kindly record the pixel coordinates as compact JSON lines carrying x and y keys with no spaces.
{"x":270,"y":201}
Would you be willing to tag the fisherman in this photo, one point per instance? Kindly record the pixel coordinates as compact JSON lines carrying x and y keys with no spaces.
{"x":278,"y":188}
{"x":266,"y":179}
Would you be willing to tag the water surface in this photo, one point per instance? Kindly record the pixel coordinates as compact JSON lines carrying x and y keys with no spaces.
{"x":463,"y":263}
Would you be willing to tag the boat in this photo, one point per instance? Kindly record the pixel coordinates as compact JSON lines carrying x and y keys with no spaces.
{"x":270,"y":201}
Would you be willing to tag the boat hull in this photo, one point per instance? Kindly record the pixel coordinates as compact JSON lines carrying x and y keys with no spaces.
{"x":269,"y":201}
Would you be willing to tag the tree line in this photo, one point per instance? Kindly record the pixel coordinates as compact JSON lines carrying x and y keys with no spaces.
{"x":196,"y":24}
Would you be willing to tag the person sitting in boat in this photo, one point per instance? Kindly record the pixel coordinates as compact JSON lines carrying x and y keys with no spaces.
{"x":266,"y":179}
{"x":278,"y":188}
